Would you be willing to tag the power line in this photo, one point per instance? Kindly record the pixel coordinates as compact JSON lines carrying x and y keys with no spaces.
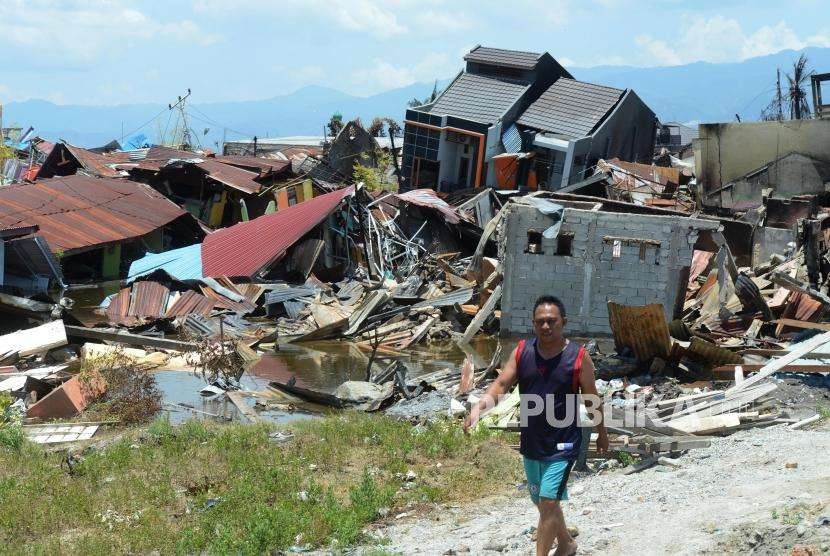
{"x":145,"y":124}
{"x":212,"y":121}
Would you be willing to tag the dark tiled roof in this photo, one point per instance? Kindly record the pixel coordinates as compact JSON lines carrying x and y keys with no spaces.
{"x":477,"y":98}
{"x":501,"y":57}
{"x":571,"y":108}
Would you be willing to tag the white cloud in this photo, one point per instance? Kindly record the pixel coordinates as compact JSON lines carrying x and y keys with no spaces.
{"x":719,"y":39}
{"x":364,"y":15}
{"x":384,"y":75}
{"x":372,"y":17}
{"x":443,"y":21}
{"x":79,"y":33}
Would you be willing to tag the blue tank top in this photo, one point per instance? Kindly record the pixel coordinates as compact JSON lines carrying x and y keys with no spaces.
{"x":552,"y":380}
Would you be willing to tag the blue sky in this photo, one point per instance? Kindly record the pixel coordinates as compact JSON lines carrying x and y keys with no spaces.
{"x":114,"y":51}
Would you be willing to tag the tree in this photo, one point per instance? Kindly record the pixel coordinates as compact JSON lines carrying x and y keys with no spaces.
{"x":797,"y":93}
{"x":335,"y":124}
{"x":375,"y":129}
{"x":794,"y":96}
{"x":413,"y":102}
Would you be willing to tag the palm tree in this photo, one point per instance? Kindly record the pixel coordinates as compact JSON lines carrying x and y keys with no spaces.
{"x":797,"y":93}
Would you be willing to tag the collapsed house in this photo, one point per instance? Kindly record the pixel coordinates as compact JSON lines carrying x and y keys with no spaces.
{"x":65,"y":160}
{"x":738,"y":164}
{"x":97,"y":226}
{"x":252,"y":249}
{"x":516,"y":119}
{"x":588,"y":252}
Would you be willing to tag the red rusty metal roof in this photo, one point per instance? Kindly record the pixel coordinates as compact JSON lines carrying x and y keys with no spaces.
{"x":144,"y":301}
{"x":247,"y":248}
{"x":77,"y":212}
{"x":264,"y":166}
{"x":234,"y":177}
{"x":93,"y":163}
{"x":190,"y":302}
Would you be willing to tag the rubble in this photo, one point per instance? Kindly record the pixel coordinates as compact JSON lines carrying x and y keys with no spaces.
{"x":710,"y":275}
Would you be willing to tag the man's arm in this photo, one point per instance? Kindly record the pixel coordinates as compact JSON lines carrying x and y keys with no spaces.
{"x":592,"y":399}
{"x":503,"y":384}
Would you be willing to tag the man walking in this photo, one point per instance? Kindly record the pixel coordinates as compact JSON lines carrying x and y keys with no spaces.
{"x":550,"y":370}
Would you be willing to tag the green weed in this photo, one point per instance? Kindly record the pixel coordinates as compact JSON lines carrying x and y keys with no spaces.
{"x":206,"y":488}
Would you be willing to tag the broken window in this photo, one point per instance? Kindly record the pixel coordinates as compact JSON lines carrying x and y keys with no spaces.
{"x":616,"y":252}
{"x":564,"y":244}
{"x":534,"y":242}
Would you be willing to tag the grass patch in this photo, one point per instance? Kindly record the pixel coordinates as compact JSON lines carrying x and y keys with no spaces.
{"x":793,"y":515}
{"x":230,"y":489}
{"x":823,"y":412}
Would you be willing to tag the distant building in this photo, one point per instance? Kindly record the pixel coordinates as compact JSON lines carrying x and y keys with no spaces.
{"x":507,"y":102}
{"x":675,"y":137}
{"x":739,"y":164}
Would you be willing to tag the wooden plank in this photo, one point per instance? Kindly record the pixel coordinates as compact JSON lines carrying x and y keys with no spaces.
{"x":693,"y":424}
{"x":35,"y":340}
{"x":727,"y":372}
{"x":419,"y":333}
{"x":803,"y":324}
{"x":371,"y":302}
{"x":114,"y":335}
{"x":730,"y":403}
{"x":245,"y":410}
{"x":797,"y":351}
{"x":480,"y":318}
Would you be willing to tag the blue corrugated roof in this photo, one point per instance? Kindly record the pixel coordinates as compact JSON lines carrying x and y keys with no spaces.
{"x":182,"y":264}
{"x":511,"y":139}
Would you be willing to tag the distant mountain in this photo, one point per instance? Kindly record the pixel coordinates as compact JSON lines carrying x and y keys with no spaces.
{"x":698,"y":92}
{"x":303,"y":112}
{"x":706,"y":92}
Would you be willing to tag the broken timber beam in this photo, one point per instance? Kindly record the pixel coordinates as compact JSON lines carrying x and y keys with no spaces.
{"x":34,"y":340}
{"x":482,"y":316}
{"x":238,"y":400}
{"x":796,"y":352}
{"x":793,"y":323}
{"x":787,"y":282}
{"x":121,"y":337}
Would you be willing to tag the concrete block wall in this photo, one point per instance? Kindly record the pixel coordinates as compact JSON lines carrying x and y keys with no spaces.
{"x":591,"y":276}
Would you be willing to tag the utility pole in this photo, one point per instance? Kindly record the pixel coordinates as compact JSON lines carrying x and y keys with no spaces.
{"x":179,"y":105}
{"x":778,"y":98}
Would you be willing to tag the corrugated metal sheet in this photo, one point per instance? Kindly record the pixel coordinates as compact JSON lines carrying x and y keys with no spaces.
{"x":93,"y":163}
{"x":77,"y":212}
{"x":247,"y":248}
{"x":149,"y":299}
{"x":501,"y":57}
{"x":249,"y":291}
{"x":429,"y":199}
{"x":571,"y":108}
{"x":221,"y":302}
{"x":641,"y":329}
{"x":231,"y":176}
{"x":511,"y":139}
{"x":710,"y":354}
{"x":133,"y":305}
{"x":189,"y":303}
{"x":477,"y":98}
{"x":263,"y":166}
{"x":184,"y":263}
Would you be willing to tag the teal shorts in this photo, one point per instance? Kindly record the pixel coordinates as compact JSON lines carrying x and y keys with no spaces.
{"x":547,"y":479}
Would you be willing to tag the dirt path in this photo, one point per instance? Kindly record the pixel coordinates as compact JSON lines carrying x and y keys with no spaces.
{"x":734,"y":497}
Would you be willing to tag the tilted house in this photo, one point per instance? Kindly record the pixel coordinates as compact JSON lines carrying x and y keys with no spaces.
{"x":507,"y":101}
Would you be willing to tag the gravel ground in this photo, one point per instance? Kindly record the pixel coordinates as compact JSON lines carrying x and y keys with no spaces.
{"x":737,"y":496}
